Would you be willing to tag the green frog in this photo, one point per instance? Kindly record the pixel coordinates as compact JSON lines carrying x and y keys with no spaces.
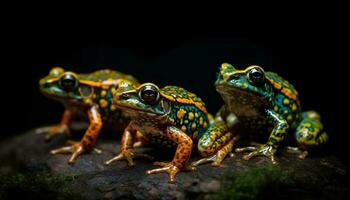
{"x":86,"y":95}
{"x":263,"y":104}
{"x":170,"y":117}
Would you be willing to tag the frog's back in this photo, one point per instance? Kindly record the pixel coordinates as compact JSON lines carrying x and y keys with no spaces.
{"x":286,"y":100}
{"x":106,"y":74}
{"x":187,"y":110}
{"x":282,"y":85}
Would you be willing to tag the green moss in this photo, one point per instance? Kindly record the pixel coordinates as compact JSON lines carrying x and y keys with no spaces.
{"x":259,"y":183}
{"x":35,"y":186}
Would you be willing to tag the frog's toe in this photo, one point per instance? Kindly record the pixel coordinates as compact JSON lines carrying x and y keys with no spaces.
{"x":244,"y":149}
{"x":203,"y":161}
{"x":128,"y":155}
{"x":169,"y":168}
{"x":51,"y":131}
{"x":303,"y":155}
{"x":295,"y":150}
{"x":116,"y":158}
{"x":257,"y":153}
{"x":250,"y":155}
{"x":264,"y":150}
{"x":62,"y":150}
{"x":75,"y":154}
{"x":76,"y":149}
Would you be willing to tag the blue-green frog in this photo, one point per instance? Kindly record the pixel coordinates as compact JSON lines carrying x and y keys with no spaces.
{"x":86,"y":95}
{"x":264,"y":104}
{"x":170,"y":117}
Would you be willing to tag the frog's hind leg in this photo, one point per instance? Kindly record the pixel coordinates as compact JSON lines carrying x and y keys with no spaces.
{"x":214,"y":145}
{"x":309,"y":134}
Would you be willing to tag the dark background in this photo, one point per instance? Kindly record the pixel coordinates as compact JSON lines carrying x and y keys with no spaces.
{"x":306,"y":51}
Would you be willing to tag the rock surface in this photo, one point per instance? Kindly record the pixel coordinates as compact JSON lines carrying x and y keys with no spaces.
{"x":25,"y":161}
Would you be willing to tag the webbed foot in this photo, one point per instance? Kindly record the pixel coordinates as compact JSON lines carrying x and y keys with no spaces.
{"x":259,"y":150}
{"x":169,"y":168}
{"x":51,"y":131}
{"x":128,"y":155}
{"x":76,"y":148}
{"x":301,"y":153}
{"x":217,"y":158}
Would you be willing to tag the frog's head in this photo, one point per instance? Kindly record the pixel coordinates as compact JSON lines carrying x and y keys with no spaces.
{"x":61,"y":85}
{"x":145,"y":99}
{"x":243,"y":87}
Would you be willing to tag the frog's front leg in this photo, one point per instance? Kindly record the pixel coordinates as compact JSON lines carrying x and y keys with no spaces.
{"x":277,"y":135}
{"x":182,"y":154}
{"x":62,"y":127}
{"x":89,"y":138}
{"x":127,"y":145}
{"x":215,"y":144}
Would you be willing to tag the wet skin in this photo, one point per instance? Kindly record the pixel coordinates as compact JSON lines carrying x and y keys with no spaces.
{"x":87,"y":95}
{"x":262,"y":103}
{"x":170,"y":117}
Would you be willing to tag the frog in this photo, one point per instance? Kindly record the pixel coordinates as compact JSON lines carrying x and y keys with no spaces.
{"x":86,"y":95}
{"x":171,"y":118}
{"x":262,"y":104}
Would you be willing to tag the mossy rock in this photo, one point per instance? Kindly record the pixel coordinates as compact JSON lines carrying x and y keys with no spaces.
{"x":28,"y":170}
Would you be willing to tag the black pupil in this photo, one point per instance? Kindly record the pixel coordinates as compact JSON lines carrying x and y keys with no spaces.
{"x":68,"y":82}
{"x":256,"y":76}
{"x":149,"y":94}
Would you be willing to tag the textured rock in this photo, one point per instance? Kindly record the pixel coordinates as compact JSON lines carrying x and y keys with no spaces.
{"x":25,"y":160}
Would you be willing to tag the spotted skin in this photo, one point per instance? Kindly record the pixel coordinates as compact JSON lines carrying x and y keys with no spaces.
{"x":88,"y":96}
{"x":176,"y":119}
{"x":263,"y":103}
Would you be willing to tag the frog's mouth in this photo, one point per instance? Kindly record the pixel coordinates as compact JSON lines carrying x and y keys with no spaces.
{"x":136,"y":110}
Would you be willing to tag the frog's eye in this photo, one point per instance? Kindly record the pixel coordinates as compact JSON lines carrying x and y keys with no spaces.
{"x":256,"y":76}
{"x":68,"y":82}
{"x":149,"y":94}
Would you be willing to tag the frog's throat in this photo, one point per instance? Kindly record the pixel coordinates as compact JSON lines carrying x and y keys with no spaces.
{"x":150,"y":112}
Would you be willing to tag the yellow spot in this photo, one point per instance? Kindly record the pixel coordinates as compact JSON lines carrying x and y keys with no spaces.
{"x":190,"y":116}
{"x":294,"y":107}
{"x":285,"y":101}
{"x":113,"y":90}
{"x":196,"y":114}
{"x":88,"y":101}
{"x":183,"y":128}
{"x":103,"y":103}
{"x":201,"y":120}
{"x":277,"y":86}
{"x":103,"y":93}
{"x":194,"y":126}
{"x":205,"y":124}
{"x":94,"y":96}
{"x":113,"y":107}
{"x":275,"y":108}
{"x":289,"y":118}
{"x":180,"y":114}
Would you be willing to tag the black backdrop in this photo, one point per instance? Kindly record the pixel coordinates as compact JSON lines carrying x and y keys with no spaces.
{"x":305,"y":52}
